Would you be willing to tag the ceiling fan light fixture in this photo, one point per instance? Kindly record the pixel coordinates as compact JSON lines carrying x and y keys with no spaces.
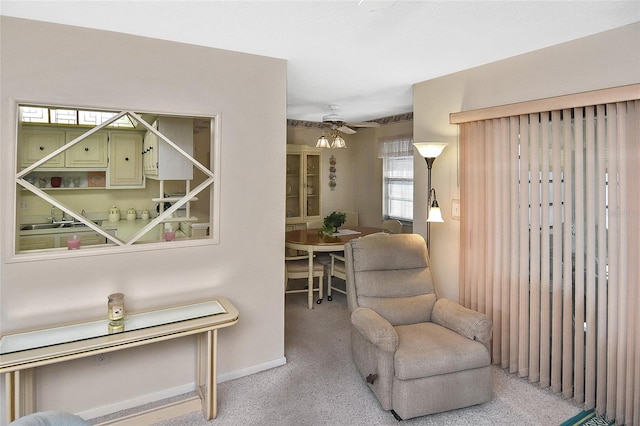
{"x":338,"y":142}
{"x":323,"y":142}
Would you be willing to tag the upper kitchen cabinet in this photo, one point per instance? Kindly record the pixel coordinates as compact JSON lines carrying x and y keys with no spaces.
{"x":303,"y":191}
{"x":125,"y":168}
{"x":38,"y":143}
{"x":89,"y":152}
{"x":162,"y":161}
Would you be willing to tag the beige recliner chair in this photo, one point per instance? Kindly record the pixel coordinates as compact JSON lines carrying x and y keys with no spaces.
{"x":419,"y":354}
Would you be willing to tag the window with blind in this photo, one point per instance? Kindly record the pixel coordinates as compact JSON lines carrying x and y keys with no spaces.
{"x":397,"y":172}
{"x":551,"y":251}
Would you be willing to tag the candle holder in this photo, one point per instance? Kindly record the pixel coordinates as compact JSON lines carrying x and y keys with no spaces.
{"x":73,"y":243}
{"x":115,"y":306}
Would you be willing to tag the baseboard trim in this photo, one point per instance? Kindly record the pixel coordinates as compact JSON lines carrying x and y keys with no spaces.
{"x":236,"y":374}
{"x":157,"y":414}
{"x":141,"y":400}
{"x":187,"y":405}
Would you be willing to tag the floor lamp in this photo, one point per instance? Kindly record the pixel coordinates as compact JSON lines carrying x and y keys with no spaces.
{"x":431,"y":150}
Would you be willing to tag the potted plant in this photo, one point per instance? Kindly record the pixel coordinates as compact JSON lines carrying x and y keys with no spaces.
{"x":332,"y":222}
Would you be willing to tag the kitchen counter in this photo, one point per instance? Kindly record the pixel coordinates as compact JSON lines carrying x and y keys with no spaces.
{"x":126,"y":229}
{"x":123,"y":229}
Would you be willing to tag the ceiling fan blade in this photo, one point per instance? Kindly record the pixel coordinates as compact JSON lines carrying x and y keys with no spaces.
{"x":363,"y":124}
{"x":346,"y":130}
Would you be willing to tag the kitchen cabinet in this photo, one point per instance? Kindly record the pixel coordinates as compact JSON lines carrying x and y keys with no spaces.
{"x":37,"y":242}
{"x":49,"y":240}
{"x":160,"y":160}
{"x":303,"y":184}
{"x":38,"y":143}
{"x":86,"y":238}
{"x":125,"y":160}
{"x":89,"y":152}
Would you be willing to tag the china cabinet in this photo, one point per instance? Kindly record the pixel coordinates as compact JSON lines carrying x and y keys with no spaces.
{"x":303,"y":184}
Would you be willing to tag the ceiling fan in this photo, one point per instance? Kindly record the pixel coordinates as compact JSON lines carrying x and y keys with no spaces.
{"x":336,"y":122}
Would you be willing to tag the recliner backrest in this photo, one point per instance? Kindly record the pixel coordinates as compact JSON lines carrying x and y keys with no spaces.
{"x":390,"y":274}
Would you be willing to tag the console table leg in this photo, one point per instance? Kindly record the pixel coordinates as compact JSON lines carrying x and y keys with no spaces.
{"x":28,"y":391}
{"x":10,"y":396}
{"x":207,"y":380}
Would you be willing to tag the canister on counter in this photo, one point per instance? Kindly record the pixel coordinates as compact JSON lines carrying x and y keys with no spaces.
{"x":114,"y":214}
{"x":131,"y":214}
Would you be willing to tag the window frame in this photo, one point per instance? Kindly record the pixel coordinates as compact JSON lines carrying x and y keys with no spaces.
{"x":211,"y":183}
{"x":389,"y":181}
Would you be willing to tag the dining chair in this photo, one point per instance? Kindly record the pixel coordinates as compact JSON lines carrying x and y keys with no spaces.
{"x":351,"y":219}
{"x":338,"y":270}
{"x":315,"y":224}
{"x":297,"y":267}
{"x":393,"y":226}
{"x":336,"y":265}
{"x":322,"y":258}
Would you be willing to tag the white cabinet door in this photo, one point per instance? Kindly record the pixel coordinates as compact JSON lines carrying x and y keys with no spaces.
{"x":89,"y":152}
{"x":162,"y":161}
{"x":38,"y":143}
{"x":125,"y":168}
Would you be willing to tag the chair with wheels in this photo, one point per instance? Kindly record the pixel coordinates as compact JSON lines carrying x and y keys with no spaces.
{"x":297,"y":267}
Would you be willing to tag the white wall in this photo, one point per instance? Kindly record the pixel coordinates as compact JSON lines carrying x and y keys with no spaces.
{"x":49,"y":63}
{"x":608,"y":59}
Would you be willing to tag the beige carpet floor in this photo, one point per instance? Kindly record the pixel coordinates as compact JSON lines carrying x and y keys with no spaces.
{"x":319,"y":385}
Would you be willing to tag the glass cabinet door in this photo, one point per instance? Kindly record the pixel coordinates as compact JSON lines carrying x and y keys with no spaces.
{"x":304,"y":183}
{"x":293,"y":195}
{"x":313,"y":185}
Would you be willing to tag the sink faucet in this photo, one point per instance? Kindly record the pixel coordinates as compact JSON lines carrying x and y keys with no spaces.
{"x":53,"y":215}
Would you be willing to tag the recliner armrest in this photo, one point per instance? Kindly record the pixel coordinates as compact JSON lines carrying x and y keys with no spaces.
{"x":375,"y":329}
{"x":464,"y":321}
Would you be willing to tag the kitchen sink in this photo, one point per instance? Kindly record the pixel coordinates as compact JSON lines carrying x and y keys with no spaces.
{"x":38,"y":226}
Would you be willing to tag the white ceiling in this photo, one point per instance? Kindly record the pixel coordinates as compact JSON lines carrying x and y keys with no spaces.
{"x":361,"y":55}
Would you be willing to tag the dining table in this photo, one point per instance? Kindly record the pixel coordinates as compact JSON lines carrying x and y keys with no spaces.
{"x":312,"y":241}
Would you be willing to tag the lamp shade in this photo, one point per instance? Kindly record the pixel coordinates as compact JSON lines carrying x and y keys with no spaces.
{"x":435,"y":215}
{"x":338,"y":142}
{"x":430,"y":149}
{"x":323,"y":142}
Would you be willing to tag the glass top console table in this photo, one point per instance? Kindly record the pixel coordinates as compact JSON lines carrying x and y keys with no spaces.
{"x":21,"y":352}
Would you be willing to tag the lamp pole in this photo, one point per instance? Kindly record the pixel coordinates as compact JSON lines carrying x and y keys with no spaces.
{"x":429,"y":161}
{"x":429,"y":151}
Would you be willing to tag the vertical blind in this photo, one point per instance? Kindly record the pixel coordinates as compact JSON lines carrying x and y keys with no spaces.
{"x":550,"y":248}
